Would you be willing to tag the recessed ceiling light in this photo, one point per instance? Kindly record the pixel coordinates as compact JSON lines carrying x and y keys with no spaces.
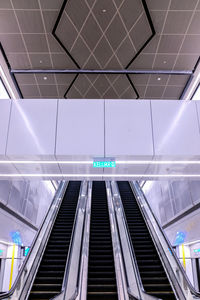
{"x":40,"y":61}
{"x":45,"y":78}
{"x":103,"y":10}
{"x":164,"y":62}
{"x":158,"y":78}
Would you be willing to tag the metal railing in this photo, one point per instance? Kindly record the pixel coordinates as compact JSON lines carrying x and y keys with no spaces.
{"x":121,"y":276}
{"x":176,"y":274}
{"x":22,"y":283}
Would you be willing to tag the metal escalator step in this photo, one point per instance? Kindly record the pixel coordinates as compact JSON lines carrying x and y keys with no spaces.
{"x":54,"y":261}
{"x":164,"y":287}
{"x":50,"y":273}
{"x":41,"y":295}
{"x":159,"y":280}
{"x":50,"y":280}
{"x":102,"y":280}
{"x":163,"y":295}
{"x":100,"y":274}
{"x":46,"y":287}
{"x":102,"y":295}
{"x":102,"y":288}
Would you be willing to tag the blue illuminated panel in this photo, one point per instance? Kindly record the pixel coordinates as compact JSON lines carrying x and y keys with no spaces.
{"x":104,"y":162}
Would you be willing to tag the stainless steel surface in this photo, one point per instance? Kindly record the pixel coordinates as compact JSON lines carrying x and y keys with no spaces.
{"x":83,"y":272}
{"x":179,"y":280}
{"x":85,"y":71}
{"x":71,"y":278}
{"x":118,"y":257}
{"x":25,"y":278}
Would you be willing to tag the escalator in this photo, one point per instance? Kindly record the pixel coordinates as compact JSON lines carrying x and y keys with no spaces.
{"x":49,"y":278}
{"x":152,"y":273}
{"x":101,"y":269}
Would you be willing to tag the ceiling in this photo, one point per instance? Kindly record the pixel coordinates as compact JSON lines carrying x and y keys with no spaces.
{"x":101,"y":35}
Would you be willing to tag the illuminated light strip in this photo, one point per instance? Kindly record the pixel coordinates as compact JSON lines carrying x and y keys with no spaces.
{"x":192,"y":89}
{"x":7,"y":83}
{"x":183,"y":252}
{"x":12,"y":266}
{"x":104,"y":175}
{"x":6,"y":243}
{"x":160,"y":162}
{"x":86,"y":162}
{"x":192,"y":242}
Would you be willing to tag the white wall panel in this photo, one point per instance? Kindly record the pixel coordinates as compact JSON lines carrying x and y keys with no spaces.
{"x":128,"y":128}
{"x":4,"y":121}
{"x":32,"y":128}
{"x":80,"y":129}
{"x":175,"y":127}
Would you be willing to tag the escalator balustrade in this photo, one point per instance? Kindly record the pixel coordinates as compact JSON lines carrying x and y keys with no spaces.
{"x":49,"y":278}
{"x":101,"y":270}
{"x":152,"y":273}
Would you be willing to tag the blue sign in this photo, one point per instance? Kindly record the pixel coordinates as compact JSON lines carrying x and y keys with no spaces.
{"x":196,"y":250}
{"x":180,"y":237}
{"x":16,"y":237}
{"x":26,"y":250}
{"x":1,"y":252}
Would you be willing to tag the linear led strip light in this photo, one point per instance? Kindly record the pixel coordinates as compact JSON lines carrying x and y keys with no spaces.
{"x":5,"y":81}
{"x":52,"y":175}
{"x":88,"y":162}
{"x":194,"y":89}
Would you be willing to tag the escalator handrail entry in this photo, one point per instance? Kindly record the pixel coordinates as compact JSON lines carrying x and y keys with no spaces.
{"x":192,"y":289}
{"x":59,"y":194}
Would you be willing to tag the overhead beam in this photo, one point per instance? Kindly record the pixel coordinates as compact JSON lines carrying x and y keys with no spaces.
{"x":84,"y":71}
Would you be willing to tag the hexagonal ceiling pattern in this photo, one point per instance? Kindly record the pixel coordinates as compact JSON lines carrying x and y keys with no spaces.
{"x":101,"y":34}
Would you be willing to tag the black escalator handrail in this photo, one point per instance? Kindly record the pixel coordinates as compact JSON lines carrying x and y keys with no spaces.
{"x":192,"y":289}
{"x":60,"y":190}
{"x":141,"y":287}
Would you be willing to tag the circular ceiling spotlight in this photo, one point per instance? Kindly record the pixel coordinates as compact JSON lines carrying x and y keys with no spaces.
{"x":45,"y":78}
{"x":158,"y":78}
{"x":104,"y":10}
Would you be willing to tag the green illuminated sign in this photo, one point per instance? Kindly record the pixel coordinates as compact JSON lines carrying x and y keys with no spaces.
{"x":1,"y":252}
{"x":104,"y":162}
{"x":196,"y":250}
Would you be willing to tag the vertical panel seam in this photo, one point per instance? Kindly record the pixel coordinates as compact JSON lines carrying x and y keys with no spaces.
{"x":8,"y":128}
{"x":198,"y":121}
{"x":56,"y":133}
{"x":56,"y":129}
{"x":152,"y":129}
